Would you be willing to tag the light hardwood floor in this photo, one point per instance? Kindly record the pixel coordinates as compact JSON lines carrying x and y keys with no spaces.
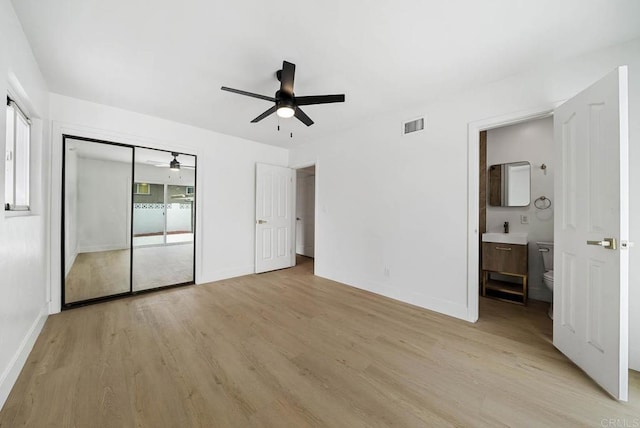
{"x":157,"y":266}
{"x":106,"y":273}
{"x":287,"y":349}
{"x":98,"y":274}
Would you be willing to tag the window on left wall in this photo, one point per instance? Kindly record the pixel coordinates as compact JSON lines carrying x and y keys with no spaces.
{"x":17,"y":153}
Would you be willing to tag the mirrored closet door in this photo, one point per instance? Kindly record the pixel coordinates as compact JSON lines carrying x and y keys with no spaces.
{"x":128,"y":220}
{"x":96,"y":220}
{"x":163,"y":219}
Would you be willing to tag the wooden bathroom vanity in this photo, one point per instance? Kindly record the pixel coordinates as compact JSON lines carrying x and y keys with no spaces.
{"x":507,"y":259}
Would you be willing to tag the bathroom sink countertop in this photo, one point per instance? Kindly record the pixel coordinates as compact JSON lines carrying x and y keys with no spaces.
{"x":518,"y":238}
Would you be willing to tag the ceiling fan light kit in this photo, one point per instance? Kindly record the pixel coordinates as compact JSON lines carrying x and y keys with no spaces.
{"x":286,"y":104}
{"x":285,"y":112}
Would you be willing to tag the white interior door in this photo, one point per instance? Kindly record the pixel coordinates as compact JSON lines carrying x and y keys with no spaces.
{"x":305,"y":214}
{"x":274,"y":217}
{"x":591,"y":278}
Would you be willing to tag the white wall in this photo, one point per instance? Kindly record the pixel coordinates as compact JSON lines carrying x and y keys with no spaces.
{"x":23,"y":239}
{"x":225,"y":207}
{"x":533,"y":142}
{"x":104,"y":205}
{"x":71,"y":210}
{"x":400,"y":203}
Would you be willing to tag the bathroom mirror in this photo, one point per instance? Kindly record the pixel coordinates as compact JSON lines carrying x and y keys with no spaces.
{"x":510,"y":184}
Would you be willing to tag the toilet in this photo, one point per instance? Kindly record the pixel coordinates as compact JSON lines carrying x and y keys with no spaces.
{"x":546,"y":252}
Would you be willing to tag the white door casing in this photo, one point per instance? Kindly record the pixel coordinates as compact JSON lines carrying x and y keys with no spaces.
{"x":591,"y":282}
{"x":305,"y":215}
{"x":274,"y":217}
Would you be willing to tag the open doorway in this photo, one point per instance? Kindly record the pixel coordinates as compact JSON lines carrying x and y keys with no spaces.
{"x":305,"y":214}
{"x":515,"y":238}
{"x":591,"y":135}
{"x":516,"y":213}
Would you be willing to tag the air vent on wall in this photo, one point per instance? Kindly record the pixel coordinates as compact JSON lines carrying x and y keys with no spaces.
{"x":414,"y":125}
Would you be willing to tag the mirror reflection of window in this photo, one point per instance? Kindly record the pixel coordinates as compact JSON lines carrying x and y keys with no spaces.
{"x":143,"y":189}
{"x":163,"y":219}
{"x":148,"y":214}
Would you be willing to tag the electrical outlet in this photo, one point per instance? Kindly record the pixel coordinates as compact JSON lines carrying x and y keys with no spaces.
{"x":524,"y":219}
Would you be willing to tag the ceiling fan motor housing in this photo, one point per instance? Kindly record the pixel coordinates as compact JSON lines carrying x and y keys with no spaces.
{"x":285,"y":100}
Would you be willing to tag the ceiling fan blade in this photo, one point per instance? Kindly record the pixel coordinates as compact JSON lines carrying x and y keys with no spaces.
{"x":303,"y":117}
{"x":319,"y":99}
{"x":265,"y":114}
{"x":249,"y":94}
{"x":286,"y":77}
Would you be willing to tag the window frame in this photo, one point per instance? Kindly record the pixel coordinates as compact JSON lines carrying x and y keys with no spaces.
{"x":17,"y":170}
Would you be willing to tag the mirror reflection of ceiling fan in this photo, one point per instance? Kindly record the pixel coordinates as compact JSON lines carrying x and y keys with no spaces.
{"x":174,"y":165}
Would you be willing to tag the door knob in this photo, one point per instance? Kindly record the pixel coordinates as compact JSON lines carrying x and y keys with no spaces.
{"x":262,"y":221}
{"x":608,"y":243}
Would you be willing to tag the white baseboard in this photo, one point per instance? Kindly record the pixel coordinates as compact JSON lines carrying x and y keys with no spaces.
{"x":221,"y":274}
{"x":11,"y":372}
{"x":98,"y":248}
{"x":444,"y":307}
{"x":70,"y":263}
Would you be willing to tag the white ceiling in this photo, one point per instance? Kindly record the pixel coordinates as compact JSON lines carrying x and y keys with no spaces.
{"x":169,"y":59}
{"x":114,"y":153}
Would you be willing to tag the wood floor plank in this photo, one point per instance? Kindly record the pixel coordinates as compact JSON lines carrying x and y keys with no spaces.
{"x":287,"y":348}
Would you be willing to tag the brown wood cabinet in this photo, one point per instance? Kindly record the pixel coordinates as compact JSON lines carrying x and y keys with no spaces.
{"x":505,"y":259}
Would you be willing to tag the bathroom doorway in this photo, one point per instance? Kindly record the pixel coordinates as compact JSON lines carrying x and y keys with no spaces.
{"x":516,"y":194}
{"x":591,"y":133}
{"x":305,"y":208}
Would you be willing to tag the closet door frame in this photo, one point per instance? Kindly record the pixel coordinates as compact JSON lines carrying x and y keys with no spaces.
{"x":63,"y":243}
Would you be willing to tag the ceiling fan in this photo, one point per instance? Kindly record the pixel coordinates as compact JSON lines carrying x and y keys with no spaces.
{"x":286,"y":103}
{"x":174,"y":165}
